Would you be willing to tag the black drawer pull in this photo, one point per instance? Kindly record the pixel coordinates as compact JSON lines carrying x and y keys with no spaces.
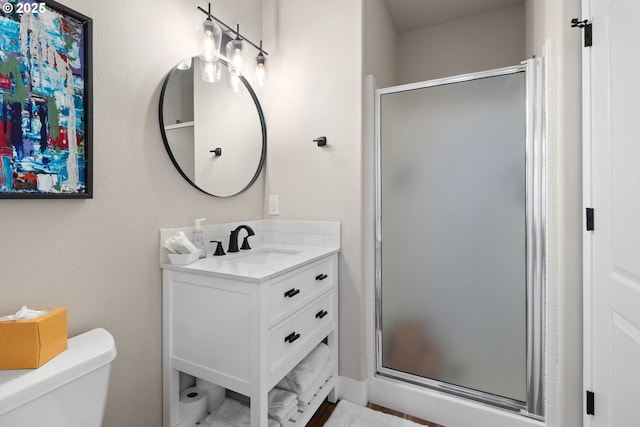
{"x":291,"y":337}
{"x":321,"y":314}
{"x":291,"y":293}
{"x":321,"y":276}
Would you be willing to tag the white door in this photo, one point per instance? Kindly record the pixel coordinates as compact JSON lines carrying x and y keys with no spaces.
{"x":612,"y":188}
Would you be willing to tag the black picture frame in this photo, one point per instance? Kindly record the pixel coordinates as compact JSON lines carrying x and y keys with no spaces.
{"x":48,"y":78}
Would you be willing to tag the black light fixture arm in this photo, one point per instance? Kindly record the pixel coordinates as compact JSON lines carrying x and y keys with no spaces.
{"x":236,"y":33}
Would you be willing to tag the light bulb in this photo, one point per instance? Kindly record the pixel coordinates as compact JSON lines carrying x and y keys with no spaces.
{"x":261,"y":72}
{"x":210,"y":71}
{"x":234,"y":53}
{"x":211,"y":40}
{"x":235,"y":82}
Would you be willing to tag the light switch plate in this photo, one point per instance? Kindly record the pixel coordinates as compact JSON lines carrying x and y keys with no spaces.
{"x":274,"y":205}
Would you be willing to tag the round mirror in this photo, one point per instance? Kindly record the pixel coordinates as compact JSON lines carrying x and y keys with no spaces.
{"x":215,"y":133}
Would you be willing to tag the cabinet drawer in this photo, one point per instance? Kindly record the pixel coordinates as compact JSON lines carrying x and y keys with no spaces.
{"x":289,"y":341}
{"x":292,"y":292}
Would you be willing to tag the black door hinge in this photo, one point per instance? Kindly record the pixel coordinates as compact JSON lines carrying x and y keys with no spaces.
{"x":589,"y":219}
{"x":588,"y":30}
{"x":590,"y":403}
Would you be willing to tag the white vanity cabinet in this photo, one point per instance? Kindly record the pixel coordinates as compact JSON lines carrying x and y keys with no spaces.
{"x":246,"y":333}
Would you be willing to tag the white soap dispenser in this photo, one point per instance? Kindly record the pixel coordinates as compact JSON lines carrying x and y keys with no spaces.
{"x":198,"y":237}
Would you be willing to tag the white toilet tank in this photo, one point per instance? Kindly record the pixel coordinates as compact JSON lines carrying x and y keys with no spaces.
{"x":68,"y":391}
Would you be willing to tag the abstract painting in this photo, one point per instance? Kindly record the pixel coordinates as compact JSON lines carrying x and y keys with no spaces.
{"x":45,"y":101}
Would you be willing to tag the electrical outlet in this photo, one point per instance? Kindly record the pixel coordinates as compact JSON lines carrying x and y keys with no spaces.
{"x":274,"y":205}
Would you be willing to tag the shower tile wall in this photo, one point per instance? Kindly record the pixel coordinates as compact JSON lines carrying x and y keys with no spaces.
{"x":551,"y":281}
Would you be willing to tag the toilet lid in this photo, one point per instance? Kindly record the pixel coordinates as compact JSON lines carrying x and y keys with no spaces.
{"x":86,"y":353}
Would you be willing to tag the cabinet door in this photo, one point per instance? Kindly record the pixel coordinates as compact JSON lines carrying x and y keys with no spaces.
{"x":211,"y":328}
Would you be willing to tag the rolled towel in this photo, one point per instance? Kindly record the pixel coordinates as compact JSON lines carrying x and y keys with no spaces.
{"x":280,"y":398}
{"x":282,"y":420}
{"x":233,"y":413}
{"x":307,"y":371}
{"x":307,"y":395}
{"x":285,"y":414}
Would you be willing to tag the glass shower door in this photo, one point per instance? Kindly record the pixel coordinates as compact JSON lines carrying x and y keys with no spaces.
{"x":452,"y":230}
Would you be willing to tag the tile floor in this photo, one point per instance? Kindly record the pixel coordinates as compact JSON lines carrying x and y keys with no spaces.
{"x":324,"y":412}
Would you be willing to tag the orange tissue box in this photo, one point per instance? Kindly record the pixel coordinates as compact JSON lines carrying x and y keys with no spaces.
{"x":33,"y":342}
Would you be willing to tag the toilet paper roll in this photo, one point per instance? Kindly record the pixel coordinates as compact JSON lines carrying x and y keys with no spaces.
{"x":215,"y":394}
{"x":192,"y":407}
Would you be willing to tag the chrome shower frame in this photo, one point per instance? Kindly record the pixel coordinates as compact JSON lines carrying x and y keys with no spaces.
{"x":535,"y":155}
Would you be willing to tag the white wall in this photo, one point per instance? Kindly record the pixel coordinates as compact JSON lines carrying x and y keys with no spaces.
{"x":536,"y":27}
{"x":99,"y":257}
{"x":570,"y":220}
{"x":315,"y":90}
{"x":379,"y":42}
{"x":476,"y":43}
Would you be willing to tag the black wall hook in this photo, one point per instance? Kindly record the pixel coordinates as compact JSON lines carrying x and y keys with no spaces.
{"x":217,"y":151}
{"x":322,"y":141}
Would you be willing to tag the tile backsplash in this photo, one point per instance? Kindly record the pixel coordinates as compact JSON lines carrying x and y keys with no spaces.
{"x":324,"y":234}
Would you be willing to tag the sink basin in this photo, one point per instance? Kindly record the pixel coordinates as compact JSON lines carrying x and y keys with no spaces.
{"x":255,"y":265}
{"x":263,"y":256}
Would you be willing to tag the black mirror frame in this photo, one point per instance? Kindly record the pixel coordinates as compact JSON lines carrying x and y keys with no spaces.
{"x":262,"y":124}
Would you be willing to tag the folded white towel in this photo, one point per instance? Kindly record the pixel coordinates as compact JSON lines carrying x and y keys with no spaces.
{"x":233,"y":413}
{"x":282,"y":413}
{"x":287,"y":414}
{"x":280,"y":398}
{"x":307,"y":371}
{"x":307,"y":395}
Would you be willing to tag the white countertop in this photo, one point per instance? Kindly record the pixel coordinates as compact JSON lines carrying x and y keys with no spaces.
{"x":255,"y":265}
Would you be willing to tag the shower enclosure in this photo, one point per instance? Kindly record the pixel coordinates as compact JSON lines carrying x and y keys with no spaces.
{"x":459,"y":236}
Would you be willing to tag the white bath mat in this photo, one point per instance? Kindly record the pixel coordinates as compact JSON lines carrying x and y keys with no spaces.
{"x":347,"y":414}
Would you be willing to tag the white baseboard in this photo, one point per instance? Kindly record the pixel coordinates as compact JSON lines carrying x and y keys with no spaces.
{"x":352,"y":390}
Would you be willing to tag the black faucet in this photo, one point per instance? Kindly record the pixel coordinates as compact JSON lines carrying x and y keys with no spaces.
{"x":233,"y":239}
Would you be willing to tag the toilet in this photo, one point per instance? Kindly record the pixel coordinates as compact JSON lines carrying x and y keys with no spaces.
{"x":68,"y":391}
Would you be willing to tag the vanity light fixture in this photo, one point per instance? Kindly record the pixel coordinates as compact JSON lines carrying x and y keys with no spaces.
{"x":234,"y":48}
{"x":261,"y":72}
{"x":211,"y":40}
{"x":234,"y":53}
